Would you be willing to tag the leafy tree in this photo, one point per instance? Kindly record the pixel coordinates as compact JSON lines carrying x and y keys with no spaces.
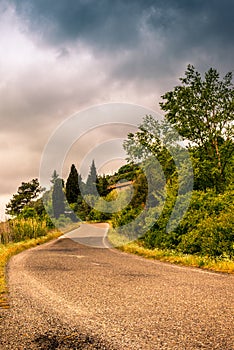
{"x":82,"y":208}
{"x":126,"y":168}
{"x":202,"y":111}
{"x":39,"y":208}
{"x":58,"y":198}
{"x":72,"y":185}
{"x":27,"y":192}
{"x":35,"y":210}
{"x":152,"y":138}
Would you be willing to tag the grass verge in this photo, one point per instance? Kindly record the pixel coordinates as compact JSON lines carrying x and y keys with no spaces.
{"x":223,"y":264}
{"x":10,"y":249}
{"x":216,"y":264}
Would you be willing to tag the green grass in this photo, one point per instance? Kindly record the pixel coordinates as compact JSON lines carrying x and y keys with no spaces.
{"x":116,"y":239}
{"x":219,"y":264}
{"x":10,"y":249}
{"x":215,"y":264}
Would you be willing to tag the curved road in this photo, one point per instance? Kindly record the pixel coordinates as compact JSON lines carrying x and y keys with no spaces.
{"x":92,"y":235}
{"x":66,"y":295}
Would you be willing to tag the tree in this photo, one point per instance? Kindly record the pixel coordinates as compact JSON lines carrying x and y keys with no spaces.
{"x":72,"y":185}
{"x":58,"y":197}
{"x":91,"y":182}
{"x":27,"y":192}
{"x":102,"y":185}
{"x":54,"y":177}
{"x":202,"y":111}
{"x":153,"y":138}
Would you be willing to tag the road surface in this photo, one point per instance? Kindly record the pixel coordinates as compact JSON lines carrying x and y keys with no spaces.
{"x":65,"y":295}
{"x":92,"y":235}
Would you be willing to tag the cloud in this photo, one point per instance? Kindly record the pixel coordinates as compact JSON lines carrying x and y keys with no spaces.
{"x":57,"y":58}
{"x":103,"y":22}
{"x":141,"y":41}
{"x":184,"y":26}
{"x":39,"y":88}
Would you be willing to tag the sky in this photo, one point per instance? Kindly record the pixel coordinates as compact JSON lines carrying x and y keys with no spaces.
{"x":60,"y":57}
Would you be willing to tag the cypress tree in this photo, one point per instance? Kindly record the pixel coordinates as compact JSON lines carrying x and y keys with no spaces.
{"x":72,"y":185}
{"x":58,"y":198}
{"x":91,"y":182}
{"x":55,"y":176}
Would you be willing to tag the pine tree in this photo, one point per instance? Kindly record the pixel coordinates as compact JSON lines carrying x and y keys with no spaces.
{"x":72,"y":185}
{"x":27,"y":192}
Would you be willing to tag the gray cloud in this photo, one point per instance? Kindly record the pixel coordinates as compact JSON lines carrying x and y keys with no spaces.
{"x":149,"y":38}
{"x":57,"y":57}
{"x":117,"y":23}
{"x":105,"y":23}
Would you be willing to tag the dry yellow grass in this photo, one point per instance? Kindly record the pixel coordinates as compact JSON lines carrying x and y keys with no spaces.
{"x":10,"y":249}
{"x":219,"y":264}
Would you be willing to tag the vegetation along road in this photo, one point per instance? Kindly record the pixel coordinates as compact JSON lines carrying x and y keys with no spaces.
{"x":65,"y":295}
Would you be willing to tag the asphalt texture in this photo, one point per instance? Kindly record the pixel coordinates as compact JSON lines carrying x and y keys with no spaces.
{"x":66,"y":295}
{"x":92,"y":235}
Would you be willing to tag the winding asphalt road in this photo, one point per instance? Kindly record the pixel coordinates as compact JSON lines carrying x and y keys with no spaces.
{"x":92,"y":235}
{"x":67,"y":295}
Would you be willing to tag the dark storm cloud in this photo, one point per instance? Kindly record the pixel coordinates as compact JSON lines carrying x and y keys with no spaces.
{"x":115,"y":24}
{"x":106,"y":23}
{"x":144,"y":39}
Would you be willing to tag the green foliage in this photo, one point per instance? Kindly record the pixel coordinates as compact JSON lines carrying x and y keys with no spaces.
{"x":102,"y":185}
{"x":126,"y":216}
{"x":19,"y":229}
{"x":28,"y":212}
{"x":126,"y":173}
{"x":58,"y":198}
{"x":91,"y":183}
{"x":140,"y":188}
{"x":213,"y":236}
{"x":202,"y":111}
{"x":153,"y":138}
{"x":27,"y":192}
{"x":62,"y":221}
{"x":82,"y":209}
{"x":206,"y":229}
{"x":199,"y":109}
{"x":39,"y":208}
{"x":72,"y":185}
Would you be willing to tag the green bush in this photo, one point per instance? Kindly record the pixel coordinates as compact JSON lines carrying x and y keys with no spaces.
{"x":207,"y":227}
{"x":213,"y":236}
{"x":62,"y":221}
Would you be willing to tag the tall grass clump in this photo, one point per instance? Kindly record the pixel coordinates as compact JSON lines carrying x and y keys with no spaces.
{"x":21,"y":229}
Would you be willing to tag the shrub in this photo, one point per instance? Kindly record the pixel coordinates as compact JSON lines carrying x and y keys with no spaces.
{"x":207,"y":227}
{"x":213,"y":236}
